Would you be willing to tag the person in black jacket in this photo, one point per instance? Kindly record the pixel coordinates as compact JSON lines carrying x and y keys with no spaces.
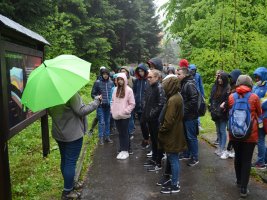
{"x":153,"y":103}
{"x":190,"y":97}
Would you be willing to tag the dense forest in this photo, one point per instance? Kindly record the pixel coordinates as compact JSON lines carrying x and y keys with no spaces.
{"x":219,"y":34}
{"x":103,"y":32}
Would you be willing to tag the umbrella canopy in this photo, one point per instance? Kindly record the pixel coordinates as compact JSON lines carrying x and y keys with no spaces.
{"x":55,"y":81}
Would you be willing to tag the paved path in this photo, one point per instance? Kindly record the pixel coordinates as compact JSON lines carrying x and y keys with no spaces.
{"x":212,"y":178}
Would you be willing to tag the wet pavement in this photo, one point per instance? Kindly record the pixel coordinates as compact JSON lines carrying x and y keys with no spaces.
{"x":212,"y":178}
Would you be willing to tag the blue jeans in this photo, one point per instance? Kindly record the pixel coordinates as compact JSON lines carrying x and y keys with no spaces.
{"x":175,"y":167}
{"x":131,"y":127}
{"x":261,"y":147}
{"x":191,"y":130}
{"x":221,"y":130}
{"x":103,"y":116}
{"x":69,"y":152}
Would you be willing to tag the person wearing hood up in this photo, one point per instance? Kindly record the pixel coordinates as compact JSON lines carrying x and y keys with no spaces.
{"x":139,"y":91}
{"x":155,"y":63}
{"x":122,"y":106}
{"x":200,"y":88}
{"x":171,"y":138}
{"x":260,"y":77}
{"x":244,"y":148}
{"x":131,"y":80}
{"x":219,"y":113}
{"x":103,"y":87}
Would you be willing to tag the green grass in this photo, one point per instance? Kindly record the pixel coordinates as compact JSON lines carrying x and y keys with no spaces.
{"x":34,"y":177}
{"x":207,"y":124}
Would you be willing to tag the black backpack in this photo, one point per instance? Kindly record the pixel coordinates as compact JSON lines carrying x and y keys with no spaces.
{"x":201,"y":105}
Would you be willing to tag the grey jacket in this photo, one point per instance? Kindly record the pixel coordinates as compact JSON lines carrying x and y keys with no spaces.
{"x":69,"y":120}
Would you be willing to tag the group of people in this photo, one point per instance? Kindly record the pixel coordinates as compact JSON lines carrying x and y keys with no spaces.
{"x":165,"y":101}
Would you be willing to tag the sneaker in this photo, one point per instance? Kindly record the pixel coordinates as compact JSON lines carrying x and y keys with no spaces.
{"x":163,"y":180}
{"x":119,"y":156}
{"x":167,"y":184}
{"x":258,"y":166}
{"x":108,"y":140}
{"x":154,"y":168}
{"x":231,"y":154}
{"x":171,"y":189}
{"x":149,"y":163}
{"x":145,"y":144}
{"x":130,"y":151}
{"x":149,"y":154}
{"x":125,"y":155}
{"x":216,"y":142}
{"x":225,"y":155}
{"x":218,"y":152}
{"x":244,"y":192}
{"x":183,"y":157}
{"x":101,"y":141}
{"x":192,"y":162}
{"x":78,"y":185}
{"x":70,"y":195}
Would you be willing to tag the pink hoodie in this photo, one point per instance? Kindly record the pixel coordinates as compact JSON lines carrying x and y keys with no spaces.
{"x":121,"y":108}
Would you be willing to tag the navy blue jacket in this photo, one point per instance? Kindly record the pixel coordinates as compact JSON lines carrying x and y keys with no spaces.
{"x":139,"y":87}
{"x":102,"y":87}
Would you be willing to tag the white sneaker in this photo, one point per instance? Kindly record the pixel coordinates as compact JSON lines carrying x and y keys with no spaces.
{"x":231,"y":154}
{"x":149,"y":155}
{"x":225,"y":155}
{"x":125,"y":155}
{"x":119,"y":156}
{"x":218,"y":152}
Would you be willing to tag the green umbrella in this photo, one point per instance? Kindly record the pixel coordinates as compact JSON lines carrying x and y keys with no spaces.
{"x":55,"y":81}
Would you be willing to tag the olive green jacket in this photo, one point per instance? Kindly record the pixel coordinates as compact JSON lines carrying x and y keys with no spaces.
{"x":171,"y":136}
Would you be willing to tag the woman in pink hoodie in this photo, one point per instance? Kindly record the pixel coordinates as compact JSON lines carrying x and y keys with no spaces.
{"x":122,"y":105}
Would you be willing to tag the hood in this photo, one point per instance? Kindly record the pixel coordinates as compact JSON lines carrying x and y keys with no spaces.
{"x":243,"y":89}
{"x":192,"y":67}
{"x":123,"y":75}
{"x":157,"y":62}
{"x":261,"y":72}
{"x":235,"y":74}
{"x":143,"y":67}
{"x":127,"y":69}
{"x":169,"y":76}
{"x":171,"y":86}
{"x":225,"y":79}
{"x":104,"y":71}
{"x":244,"y":80}
{"x":171,"y":68}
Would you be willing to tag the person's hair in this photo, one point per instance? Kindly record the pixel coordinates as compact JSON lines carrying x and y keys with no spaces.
{"x":185,"y":71}
{"x":156,"y":73}
{"x":120,"y":89}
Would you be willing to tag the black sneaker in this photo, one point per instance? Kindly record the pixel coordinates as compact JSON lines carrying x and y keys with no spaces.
{"x":192,"y":162}
{"x":183,"y":157}
{"x":258,"y":166}
{"x":108,"y":140}
{"x":164,"y":179}
{"x":130,"y":151}
{"x":154,"y":168}
{"x":170,"y":190}
{"x":149,"y":163}
{"x":244,"y":192}
{"x":70,"y":195}
{"x":145,"y":144}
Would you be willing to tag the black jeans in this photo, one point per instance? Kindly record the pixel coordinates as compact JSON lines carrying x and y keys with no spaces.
{"x":243,"y":157}
{"x":157,"y":154}
{"x":143,"y":126}
{"x":122,"y":127}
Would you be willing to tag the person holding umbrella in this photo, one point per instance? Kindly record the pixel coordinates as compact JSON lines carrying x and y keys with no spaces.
{"x":68,"y":128}
{"x":54,"y":85}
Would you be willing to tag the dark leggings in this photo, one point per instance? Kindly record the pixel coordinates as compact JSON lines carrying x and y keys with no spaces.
{"x":144,"y":128}
{"x":157,"y":154}
{"x":230,"y":145}
{"x":122,"y":127}
{"x":243,"y":157}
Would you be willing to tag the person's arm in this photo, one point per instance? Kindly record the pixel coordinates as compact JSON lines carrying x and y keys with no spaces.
{"x":131,"y":102}
{"x":95,"y":89}
{"x":82,"y":109}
